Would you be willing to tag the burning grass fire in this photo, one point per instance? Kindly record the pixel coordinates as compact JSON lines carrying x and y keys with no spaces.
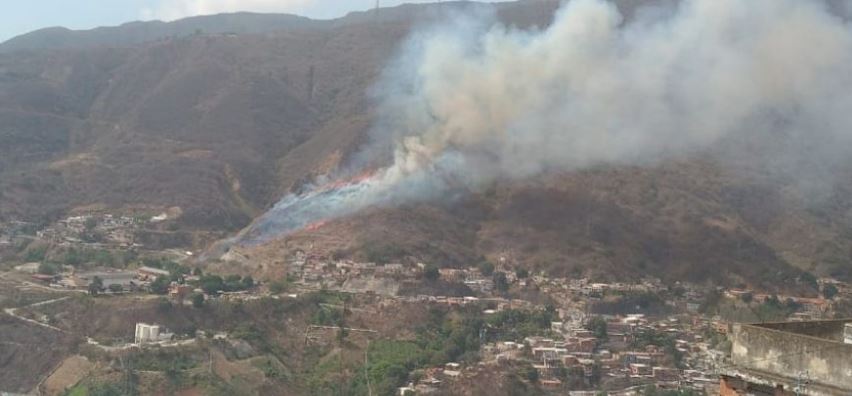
{"x":343,"y":196}
{"x":465,"y":106}
{"x":312,"y":209}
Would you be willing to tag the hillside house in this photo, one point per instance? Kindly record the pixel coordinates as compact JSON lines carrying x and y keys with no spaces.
{"x":125,"y":279}
{"x":149,"y":273}
{"x":151,"y":333}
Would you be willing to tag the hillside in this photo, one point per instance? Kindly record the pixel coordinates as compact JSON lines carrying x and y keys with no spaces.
{"x":130,"y":34}
{"x":216,"y":124}
{"x":220,"y":116}
{"x":694,"y":221}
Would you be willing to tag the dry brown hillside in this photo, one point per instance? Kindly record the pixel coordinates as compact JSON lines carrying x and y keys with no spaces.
{"x":697,"y":221}
{"x":222,"y":122}
{"x":219,"y":124}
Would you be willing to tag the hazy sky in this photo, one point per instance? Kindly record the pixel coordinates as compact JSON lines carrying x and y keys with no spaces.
{"x":22,"y":16}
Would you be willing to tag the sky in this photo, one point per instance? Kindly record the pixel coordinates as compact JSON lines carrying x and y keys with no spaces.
{"x":22,"y":16}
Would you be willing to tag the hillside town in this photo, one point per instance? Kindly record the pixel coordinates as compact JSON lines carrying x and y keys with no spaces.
{"x":571,"y":335}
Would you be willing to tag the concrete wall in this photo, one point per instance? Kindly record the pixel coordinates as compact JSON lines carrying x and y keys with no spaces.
{"x":828,"y":329}
{"x":787,"y":354}
{"x":381,"y":286}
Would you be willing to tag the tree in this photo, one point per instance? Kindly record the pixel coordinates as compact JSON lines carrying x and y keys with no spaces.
{"x":92,"y":237}
{"x":530,"y":373}
{"x":233,"y":283}
{"x":248,"y":282}
{"x":522,"y":273}
{"x":809,"y":279}
{"x":36,"y":254}
{"x":104,"y":258}
{"x":73,"y":257}
{"x":501,"y":284}
{"x":96,"y":286}
{"x":597,"y":373}
{"x":197,"y":271}
{"x":106,"y":389}
{"x":160,"y":285}
{"x":115,"y":288}
{"x":747,"y":297}
{"x":163,"y":305}
{"x":212,"y":284}
{"x":431,"y":273}
{"x":341,"y":332}
{"x":197,"y":300}
{"x":829,"y":291}
{"x":575,"y":377}
{"x":46,"y":268}
{"x":486,"y":268}
{"x":279,"y":286}
{"x":597,"y":325}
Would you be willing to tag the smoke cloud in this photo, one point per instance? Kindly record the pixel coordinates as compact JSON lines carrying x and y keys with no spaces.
{"x":470,"y":102}
{"x":175,"y":9}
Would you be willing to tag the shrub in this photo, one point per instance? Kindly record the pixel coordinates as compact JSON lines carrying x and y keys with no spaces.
{"x":48,"y":268}
{"x":501,"y":284}
{"x":160,"y":285}
{"x":431,"y":273}
{"x":279,"y":286}
{"x":197,"y":300}
{"x":485,"y":267}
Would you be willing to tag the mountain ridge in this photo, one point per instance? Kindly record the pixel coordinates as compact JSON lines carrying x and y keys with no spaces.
{"x":222,"y":126}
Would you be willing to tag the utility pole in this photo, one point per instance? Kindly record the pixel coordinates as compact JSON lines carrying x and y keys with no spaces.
{"x":366,"y":372}
{"x":340,"y":338}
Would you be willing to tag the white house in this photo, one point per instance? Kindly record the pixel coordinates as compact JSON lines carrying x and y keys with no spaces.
{"x":148,"y":333}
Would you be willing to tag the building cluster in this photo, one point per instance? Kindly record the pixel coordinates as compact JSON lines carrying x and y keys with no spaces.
{"x":620,"y":359}
{"x":111,"y":280}
{"x":96,"y":230}
{"x":616,"y":361}
{"x":319,"y":270}
{"x":15,"y":231}
{"x":628,"y":351}
{"x":101,"y":230}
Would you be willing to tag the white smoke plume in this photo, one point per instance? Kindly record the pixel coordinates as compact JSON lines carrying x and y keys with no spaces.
{"x":468,"y":103}
{"x":170,"y":10}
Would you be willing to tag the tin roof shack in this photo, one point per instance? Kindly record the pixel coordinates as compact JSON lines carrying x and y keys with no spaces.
{"x":786,"y":358}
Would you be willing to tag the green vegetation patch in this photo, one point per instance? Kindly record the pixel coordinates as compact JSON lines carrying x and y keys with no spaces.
{"x":164,"y":360}
{"x":446,"y":336}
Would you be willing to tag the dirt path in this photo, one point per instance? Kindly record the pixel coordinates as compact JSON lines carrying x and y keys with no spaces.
{"x":126,"y":346}
{"x":13,"y":312}
{"x":23,"y":284}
